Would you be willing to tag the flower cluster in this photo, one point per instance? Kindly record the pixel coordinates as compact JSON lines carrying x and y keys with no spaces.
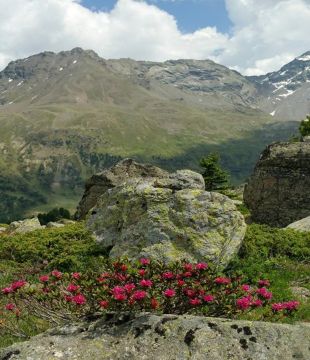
{"x":141,"y":286}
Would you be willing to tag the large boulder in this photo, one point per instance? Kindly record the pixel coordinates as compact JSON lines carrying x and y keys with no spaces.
{"x":166,"y":337}
{"x":168,"y":219}
{"x":99,"y":183}
{"x":24,"y":226}
{"x":278,"y":192}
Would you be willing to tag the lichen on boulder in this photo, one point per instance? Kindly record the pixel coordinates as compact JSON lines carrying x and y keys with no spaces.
{"x":166,"y":337}
{"x":168,"y":219}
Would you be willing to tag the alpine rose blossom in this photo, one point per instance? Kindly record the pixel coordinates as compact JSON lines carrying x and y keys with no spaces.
{"x":246,"y":287}
{"x":208,"y":298}
{"x":129,"y":287}
{"x":168,"y":275}
{"x":263,"y":283}
{"x":264,"y":293}
{"x":76,"y":276}
{"x":139,"y":295}
{"x":57,"y":274}
{"x":10,"y":307}
{"x":222,"y":281}
{"x":243,"y":303}
{"x":104,"y":304}
{"x":44,"y":278}
{"x":146,"y":283}
{"x":79,"y":299}
{"x":144,"y":261}
{"x":7,"y":290}
{"x":195,"y":301}
{"x":169,"y":293}
{"x":18,"y":284}
{"x":72,"y":288}
{"x":201,"y":266}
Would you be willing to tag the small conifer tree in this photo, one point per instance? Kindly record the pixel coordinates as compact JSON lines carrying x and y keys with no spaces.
{"x":304,"y":127}
{"x":214,"y":176}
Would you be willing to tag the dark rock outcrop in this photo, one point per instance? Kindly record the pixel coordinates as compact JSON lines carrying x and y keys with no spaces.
{"x":166,"y":337}
{"x":278,"y":193}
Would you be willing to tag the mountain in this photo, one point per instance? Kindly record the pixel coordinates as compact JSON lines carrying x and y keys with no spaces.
{"x":65,"y":116}
{"x":285,"y":94}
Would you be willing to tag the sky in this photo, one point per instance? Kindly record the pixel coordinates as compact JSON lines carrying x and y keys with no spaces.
{"x":251,"y":36}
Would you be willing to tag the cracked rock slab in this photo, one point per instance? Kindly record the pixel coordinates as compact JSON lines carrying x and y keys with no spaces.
{"x":166,"y":337}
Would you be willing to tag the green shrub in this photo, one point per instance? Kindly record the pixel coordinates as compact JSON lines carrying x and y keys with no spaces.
{"x":69,"y":248}
{"x":304,"y":127}
{"x":54,"y":215}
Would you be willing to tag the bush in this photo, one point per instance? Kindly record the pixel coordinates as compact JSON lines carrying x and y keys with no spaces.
{"x":304,"y":127}
{"x":137,"y":286}
{"x":70,"y":248}
{"x":55,"y":214}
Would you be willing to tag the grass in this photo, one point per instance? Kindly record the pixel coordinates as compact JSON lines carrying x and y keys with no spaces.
{"x":283,"y":257}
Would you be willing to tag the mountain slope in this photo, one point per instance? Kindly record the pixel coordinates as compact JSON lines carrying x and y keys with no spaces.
{"x":285,"y":94}
{"x":64,"y":116}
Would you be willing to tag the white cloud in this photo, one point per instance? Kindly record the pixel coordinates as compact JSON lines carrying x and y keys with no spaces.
{"x":266,"y":33}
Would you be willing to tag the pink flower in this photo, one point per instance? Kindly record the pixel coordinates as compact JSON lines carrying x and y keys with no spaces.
{"x":18,"y":284}
{"x":222,"y":281}
{"x":139,"y":295}
{"x":76,"y":275}
{"x":187,"y":274}
{"x":168,"y":275}
{"x":243,"y":303}
{"x":57,"y":274}
{"x":154,"y":304}
{"x":277,"y":307}
{"x":123,"y":267}
{"x":208,"y":298}
{"x":144,"y":261}
{"x":262,"y":283}
{"x":257,"y":303}
{"x":291,"y":305}
{"x":264,"y":293}
{"x":104,"y":304}
{"x":120,"y":297}
{"x":7,"y":290}
{"x":44,"y":278}
{"x":169,"y":293}
{"x":194,"y":301}
{"x":118,"y":290}
{"x":189,"y":292}
{"x":246,"y":287}
{"x":188,"y":267}
{"x":181,"y":282}
{"x":72,"y":288}
{"x":129,"y":287}
{"x":68,"y":298}
{"x":10,"y":307}
{"x":202,"y":266}
{"x":146,"y":283}
{"x":142,"y":272}
{"x":79,"y":299}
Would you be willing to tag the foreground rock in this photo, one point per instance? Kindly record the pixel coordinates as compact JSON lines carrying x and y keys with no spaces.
{"x":301,"y":225}
{"x":167,"y":220}
{"x":98,"y":184}
{"x":166,"y":337}
{"x":278,"y":193}
{"x":24,"y":226}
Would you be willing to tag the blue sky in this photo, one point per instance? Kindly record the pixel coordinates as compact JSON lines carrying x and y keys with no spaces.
{"x":253,"y":37}
{"x":190,"y":14}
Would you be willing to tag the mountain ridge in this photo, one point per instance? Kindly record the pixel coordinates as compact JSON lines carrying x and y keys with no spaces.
{"x":65,"y":116}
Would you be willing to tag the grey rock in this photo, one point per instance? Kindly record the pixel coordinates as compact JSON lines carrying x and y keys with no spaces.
{"x":52,"y":224}
{"x":24,"y":226}
{"x":166,"y":337}
{"x":157,"y":218}
{"x":278,"y":192}
{"x":99,"y":183}
{"x":2,"y":229}
{"x":301,"y":225}
{"x":300,"y":292}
